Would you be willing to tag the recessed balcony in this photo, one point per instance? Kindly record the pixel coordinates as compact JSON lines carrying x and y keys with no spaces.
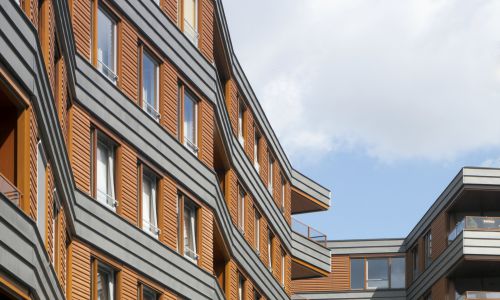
{"x":474,"y":223}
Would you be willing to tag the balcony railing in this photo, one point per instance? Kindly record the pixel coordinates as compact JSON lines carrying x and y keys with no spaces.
{"x":151,"y":110}
{"x":9,"y":190}
{"x":479,"y":295}
{"x":107,"y":71}
{"x":308,"y":232}
{"x":474,"y":223}
{"x":191,"y":32}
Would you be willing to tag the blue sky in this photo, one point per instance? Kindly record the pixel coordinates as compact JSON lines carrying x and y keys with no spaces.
{"x":381,"y":101}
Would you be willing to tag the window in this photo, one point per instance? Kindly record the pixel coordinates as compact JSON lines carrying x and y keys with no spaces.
{"x":256,"y":295}
{"x":103,"y":281}
{"x":241,"y":209}
{"x":41,"y":192}
{"x":428,"y":296}
{"x":428,"y":249}
{"x":55,"y":230}
{"x":415,"y":261}
{"x":149,"y":201}
{"x":241,"y":287}
{"x":189,"y":120}
{"x":397,"y":272}
{"x":104,"y":170}
{"x":357,"y":274}
{"x":241,"y":122}
{"x":149,"y":83}
{"x":256,"y":151}
{"x":378,"y":273}
{"x":283,"y":260}
{"x":188,"y":227}
{"x":270,"y":251}
{"x":271,"y":175}
{"x":257,"y":231}
{"x":105,"y":39}
{"x":189,"y":20}
{"x":283,"y":193}
{"x":147,"y":293}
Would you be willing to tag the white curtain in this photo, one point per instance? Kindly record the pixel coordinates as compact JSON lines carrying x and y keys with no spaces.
{"x":102,"y":170}
{"x":154,"y":218}
{"x":111,"y":177}
{"x":146,"y":201}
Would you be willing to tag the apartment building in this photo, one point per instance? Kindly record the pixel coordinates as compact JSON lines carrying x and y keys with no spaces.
{"x":137,"y":163}
{"x":452,"y":253}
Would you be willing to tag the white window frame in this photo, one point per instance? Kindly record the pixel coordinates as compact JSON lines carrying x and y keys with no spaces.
{"x":283,"y":194}
{"x":271,"y":174}
{"x":257,"y":231}
{"x":148,"y":225}
{"x":241,"y":210}
{"x":270,"y":251}
{"x":101,"y":65}
{"x":191,"y":145}
{"x":110,"y":194}
{"x":282,"y":268}
{"x":41,"y":219}
{"x":55,"y":214}
{"x":241,"y":122}
{"x":256,"y":150}
{"x":153,"y":111}
{"x":192,"y":29}
{"x":111,"y":276}
{"x":241,"y":287}
{"x":193,"y":220}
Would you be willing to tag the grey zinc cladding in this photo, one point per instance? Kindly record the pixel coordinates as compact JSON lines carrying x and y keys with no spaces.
{"x":310,"y":252}
{"x":369,"y":246}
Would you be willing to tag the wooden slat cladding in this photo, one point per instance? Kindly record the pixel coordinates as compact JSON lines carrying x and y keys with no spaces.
{"x":440,"y":289}
{"x":232,"y":104}
{"x":128,"y":284}
{"x":79,"y":271}
{"x":249,"y":221}
{"x":169,"y":98}
{"x":276,"y":248}
{"x":33,"y":165}
{"x":127,"y":183}
{"x":79,"y":147}
{"x":49,"y":214}
{"x":168,"y":213}
{"x":128,"y":71}
{"x":232,"y":197}
{"x":250,"y":135}
{"x":264,"y":161}
{"x":207,"y":134}
{"x":288,"y":203}
{"x":169,"y":7}
{"x":207,"y":233}
{"x":232,"y":283}
{"x":439,"y":230}
{"x":207,"y":29}
{"x":264,"y":231}
{"x":62,"y":241}
{"x":337,"y":280}
{"x":81,"y":26}
{"x":288,"y":274}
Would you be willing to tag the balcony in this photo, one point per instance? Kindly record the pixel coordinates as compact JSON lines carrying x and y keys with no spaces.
{"x":308,"y":232}
{"x":9,"y":190}
{"x":475,"y":224}
{"x":479,"y":295}
{"x":307,"y":195}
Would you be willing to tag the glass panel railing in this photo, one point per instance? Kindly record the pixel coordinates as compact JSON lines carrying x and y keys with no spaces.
{"x":308,"y":232}
{"x":9,"y":190}
{"x":479,"y":295}
{"x":474,"y":223}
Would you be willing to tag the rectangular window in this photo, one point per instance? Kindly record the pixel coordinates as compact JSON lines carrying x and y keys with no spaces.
{"x":241,"y":122}
{"x":397,"y":272}
{"x":270,"y":255}
{"x":256,"y":151}
{"x":271,"y":174}
{"x":257,"y":231}
{"x":41,"y":192}
{"x":428,"y":248}
{"x":189,"y":21}
{"x":241,"y":287}
{"x":55,"y":230}
{"x":256,"y":295}
{"x":378,"y":273}
{"x":357,"y":273}
{"x":283,"y":193}
{"x":149,"y":83}
{"x":189,"y":120}
{"x":103,"y":281}
{"x":149,"y":202}
{"x":283,"y":260}
{"x":415,"y":262}
{"x":188,"y":227}
{"x":104,"y":166}
{"x":105,"y":29}
{"x":241,"y":209}
{"x":147,"y":293}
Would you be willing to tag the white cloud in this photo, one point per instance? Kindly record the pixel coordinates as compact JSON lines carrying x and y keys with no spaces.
{"x":398,"y":79}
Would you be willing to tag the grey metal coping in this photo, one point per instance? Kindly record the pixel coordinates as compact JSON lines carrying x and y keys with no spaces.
{"x":22,"y":254}
{"x":311,"y":252}
{"x":354,"y":295}
{"x":128,"y":121}
{"x":311,"y":187}
{"x":468,"y":177}
{"x":367,"y":246}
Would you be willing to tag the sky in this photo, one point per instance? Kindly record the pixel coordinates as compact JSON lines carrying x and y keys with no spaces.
{"x":381,"y":101}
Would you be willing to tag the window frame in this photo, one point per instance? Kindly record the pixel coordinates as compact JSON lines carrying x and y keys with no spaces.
{"x":181,"y":203}
{"x":256,"y":149}
{"x":257,"y":220}
{"x":427,"y":249}
{"x":241,"y":209}
{"x":98,"y":136}
{"x":270,"y":183}
{"x":283,"y":194}
{"x":145,"y":171}
{"x":56,"y":206}
{"x":241,"y":122}
{"x":42,"y":209}
{"x":415,"y":261}
{"x":143,"y":288}
{"x":365,"y":259}
{"x":283,"y":265}
{"x":270,"y":250}
{"x":97,"y":5}
{"x":182,"y":22}
{"x":145,"y":51}
{"x":97,"y":265}
{"x":192,"y":146}
{"x":241,"y":287}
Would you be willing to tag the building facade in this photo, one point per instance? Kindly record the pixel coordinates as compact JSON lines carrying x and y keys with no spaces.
{"x":137,"y":163}
{"x":452,"y":253}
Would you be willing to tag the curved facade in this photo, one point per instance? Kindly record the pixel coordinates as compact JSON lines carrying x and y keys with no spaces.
{"x":137,"y":163}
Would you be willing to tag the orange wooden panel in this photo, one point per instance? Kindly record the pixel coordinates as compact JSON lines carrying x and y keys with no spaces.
{"x":169,"y":98}
{"x":81,"y":26}
{"x":207,"y":134}
{"x":207,"y":255}
{"x":79,"y":147}
{"x":127,"y":187}
{"x":168,"y":214}
{"x":206,"y":42}
{"x":79,"y":271}
{"x":232,"y":104}
{"x":169,"y":7}
{"x":33,"y":165}
{"x":128,"y":77}
{"x":440,"y":289}
{"x":250,"y":134}
{"x":337,"y":280}
{"x":439,"y":230}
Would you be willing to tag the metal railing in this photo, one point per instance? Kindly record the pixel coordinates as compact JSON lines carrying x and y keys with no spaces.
{"x":107,"y":71}
{"x":191,"y":33}
{"x":10,"y":190}
{"x":191,"y":146}
{"x":308,"y":232}
{"x":474,"y":223}
{"x":191,"y":254}
{"x":151,"y":110}
{"x":103,"y":197}
{"x":479,"y":295}
{"x":151,"y":228}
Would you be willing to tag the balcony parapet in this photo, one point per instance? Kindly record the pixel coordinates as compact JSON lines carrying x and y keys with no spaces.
{"x":10,"y":190}
{"x":479,"y":295}
{"x":308,"y":232}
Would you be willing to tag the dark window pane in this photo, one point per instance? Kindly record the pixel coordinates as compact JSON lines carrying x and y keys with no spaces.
{"x":357,"y":274}
{"x":378,"y":273}
{"x":397,"y":272}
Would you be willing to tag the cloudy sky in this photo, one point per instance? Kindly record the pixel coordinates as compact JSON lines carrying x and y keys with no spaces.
{"x":382,"y":101}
